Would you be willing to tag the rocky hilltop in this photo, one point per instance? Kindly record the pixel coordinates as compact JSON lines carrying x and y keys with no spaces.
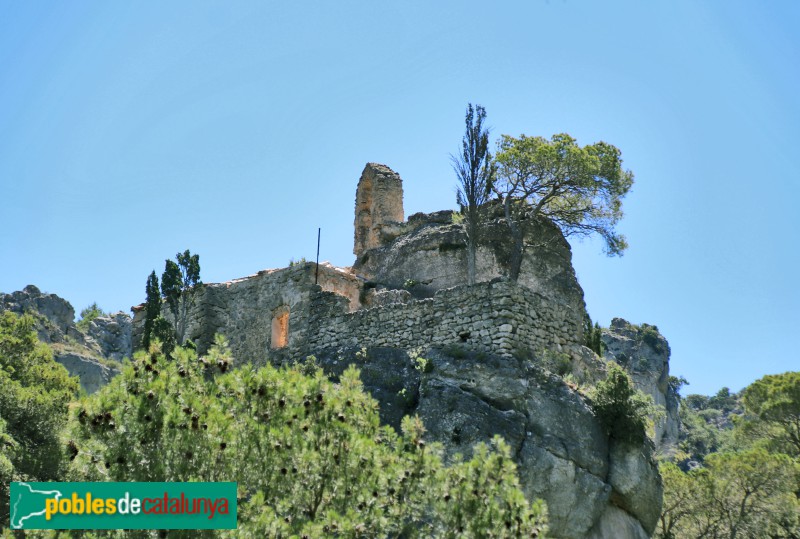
{"x":497,"y":357}
{"x":92,"y":355}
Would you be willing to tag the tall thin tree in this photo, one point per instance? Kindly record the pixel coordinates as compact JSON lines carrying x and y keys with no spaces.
{"x":179,"y":285}
{"x":475,"y":171}
{"x":152,"y":308}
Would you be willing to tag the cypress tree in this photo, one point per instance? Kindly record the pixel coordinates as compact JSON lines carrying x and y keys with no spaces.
{"x":152,"y":308}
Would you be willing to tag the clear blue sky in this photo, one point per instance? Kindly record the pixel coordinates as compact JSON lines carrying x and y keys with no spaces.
{"x":130,"y":131}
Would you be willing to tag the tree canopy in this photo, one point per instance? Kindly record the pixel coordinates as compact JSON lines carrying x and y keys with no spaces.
{"x":775,"y":399}
{"x":309,"y":455}
{"x":34,"y":393}
{"x":742,"y":475}
{"x":579,"y":188}
{"x":179,"y":284}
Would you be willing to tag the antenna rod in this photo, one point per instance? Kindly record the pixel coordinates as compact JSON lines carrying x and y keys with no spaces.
{"x":316,"y":274}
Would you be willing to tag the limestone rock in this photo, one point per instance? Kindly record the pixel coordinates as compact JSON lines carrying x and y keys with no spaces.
{"x":615,"y":523}
{"x":633,"y":474}
{"x":113,"y":335}
{"x":84,"y":354}
{"x":431,"y":253}
{"x":92,"y":373}
{"x":57,"y":312}
{"x":562,"y":453}
{"x":644,"y":353}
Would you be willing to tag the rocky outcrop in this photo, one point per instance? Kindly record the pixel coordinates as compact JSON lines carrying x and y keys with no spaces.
{"x":112,"y":334}
{"x":90,"y":355}
{"x":428,"y":253}
{"x":644,"y":353}
{"x":92,"y":373}
{"x":592,"y":488}
{"x":55,"y":316}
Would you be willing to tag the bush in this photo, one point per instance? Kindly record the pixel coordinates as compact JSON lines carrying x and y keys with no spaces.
{"x":620,"y":407}
{"x":310,"y":456}
{"x":652,"y":338}
{"x":88,"y":314}
{"x":34,"y":393}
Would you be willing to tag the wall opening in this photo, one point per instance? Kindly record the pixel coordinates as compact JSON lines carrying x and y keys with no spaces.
{"x":280,"y":327}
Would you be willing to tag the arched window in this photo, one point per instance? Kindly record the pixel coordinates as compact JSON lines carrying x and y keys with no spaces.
{"x":280,"y":327}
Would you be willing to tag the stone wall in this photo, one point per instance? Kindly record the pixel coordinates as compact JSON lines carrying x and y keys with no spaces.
{"x":497,"y":316}
{"x":430,"y":252}
{"x":243,"y":309}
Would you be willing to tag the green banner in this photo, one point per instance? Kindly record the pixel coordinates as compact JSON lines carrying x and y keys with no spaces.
{"x":127,"y":506}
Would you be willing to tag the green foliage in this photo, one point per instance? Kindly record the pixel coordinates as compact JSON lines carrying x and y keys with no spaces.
{"x":152,"y":309}
{"x":475,"y":171}
{"x":301,"y":262}
{"x":621,"y":409}
{"x":724,"y":400}
{"x":410,"y":283}
{"x":179,"y":284}
{"x":651,"y":337}
{"x":775,"y":399}
{"x":559,"y":363}
{"x":455,"y":351}
{"x":675,"y":383}
{"x":34,"y":392}
{"x":700,"y":432}
{"x":163,"y":336}
{"x":87,"y":315}
{"x":580,"y":189}
{"x":423,"y":365}
{"x":310,"y":456}
{"x":748,"y":494}
{"x":592,"y":336}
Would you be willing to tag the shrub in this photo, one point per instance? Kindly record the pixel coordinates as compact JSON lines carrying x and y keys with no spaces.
{"x":622,"y":409}
{"x":309,"y":455}
{"x":557,"y":362}
{"x":34,"y":393}
{"x":87,"y":315}
{"x":651,"y":337}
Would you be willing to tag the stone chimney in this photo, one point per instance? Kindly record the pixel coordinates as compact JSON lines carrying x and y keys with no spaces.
{"x":379,"y":201}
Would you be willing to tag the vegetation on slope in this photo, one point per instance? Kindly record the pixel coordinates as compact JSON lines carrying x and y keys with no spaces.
{"x":739,"y":473}
{"x":310,"y":456}
{"x":34,"y":394}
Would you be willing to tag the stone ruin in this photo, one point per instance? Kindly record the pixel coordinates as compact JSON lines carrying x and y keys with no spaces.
{"x":497,"y":354}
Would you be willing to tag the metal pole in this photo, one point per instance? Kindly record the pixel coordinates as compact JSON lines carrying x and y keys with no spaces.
{"x":316,"y":274}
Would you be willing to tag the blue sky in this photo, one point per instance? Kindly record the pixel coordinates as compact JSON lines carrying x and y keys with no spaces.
{"x":129,"y":132}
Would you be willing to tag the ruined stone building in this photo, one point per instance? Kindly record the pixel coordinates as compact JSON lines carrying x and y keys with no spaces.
{"x":405,"y":290}
{"x":496,"y":353}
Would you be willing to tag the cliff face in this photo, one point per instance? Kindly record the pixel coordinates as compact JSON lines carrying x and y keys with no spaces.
{"x":593,"y":489}
{"x":644,"y":353}
{"x":84,"y":354}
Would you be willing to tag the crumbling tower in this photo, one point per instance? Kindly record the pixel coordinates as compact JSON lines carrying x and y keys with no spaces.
{"x":379,"y":201}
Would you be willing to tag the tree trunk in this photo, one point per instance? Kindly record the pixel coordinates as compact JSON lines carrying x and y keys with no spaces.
{"x":518,"y":242}
{"x":470,"y":261}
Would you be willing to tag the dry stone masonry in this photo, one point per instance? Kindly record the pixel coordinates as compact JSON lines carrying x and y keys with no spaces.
{"x":495,"y":317}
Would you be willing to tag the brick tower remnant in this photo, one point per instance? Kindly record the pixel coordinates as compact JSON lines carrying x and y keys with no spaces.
{"x":379,"y":201}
